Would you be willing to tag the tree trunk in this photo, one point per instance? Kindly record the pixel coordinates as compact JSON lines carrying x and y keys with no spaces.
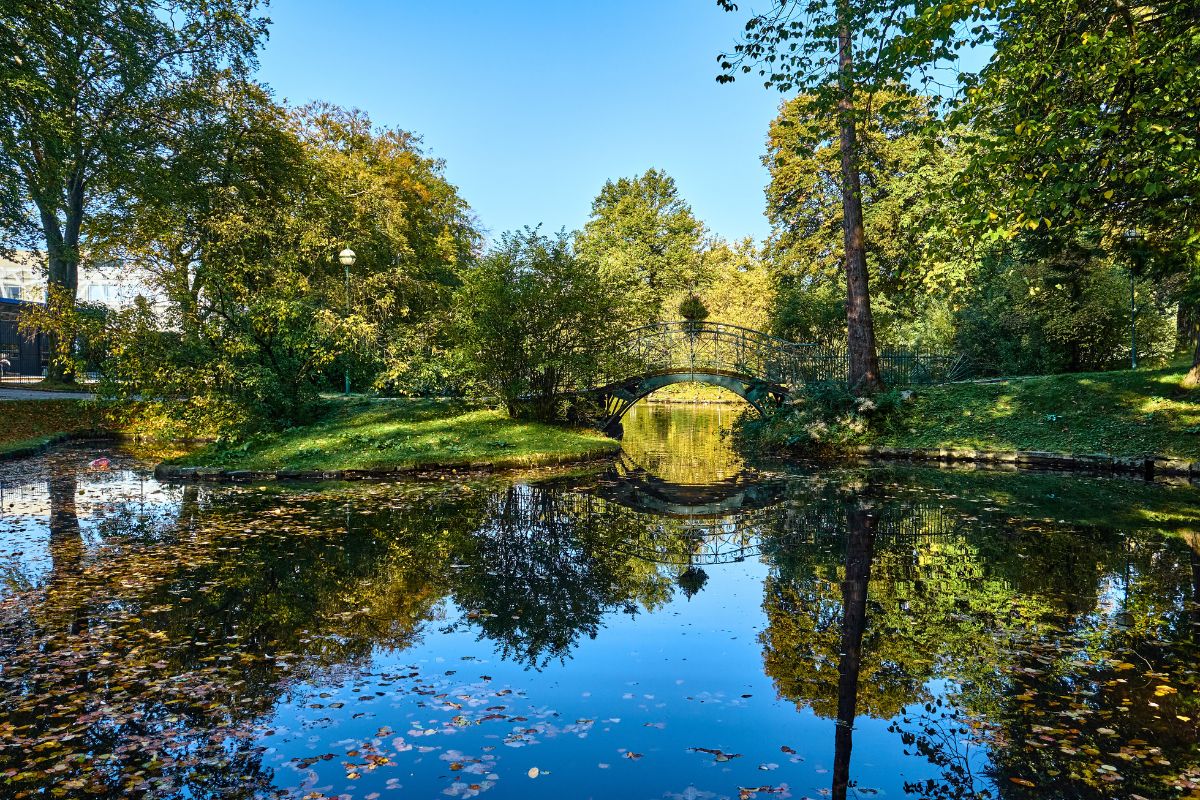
{"x":860,"y":326}
{"x":1185,"y":329}
{"x":66,"y":544}
{"x":62,"y":255}
{"x":860,"y":548}
{"x":1193,"y":377}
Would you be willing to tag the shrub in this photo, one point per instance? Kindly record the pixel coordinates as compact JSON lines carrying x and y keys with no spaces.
{"x":825,"y":418}
{"x":692,"y":309}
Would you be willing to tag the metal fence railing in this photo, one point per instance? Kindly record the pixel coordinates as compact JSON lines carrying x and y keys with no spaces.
{"x":721,"y":347}
{"x":20,"y":355}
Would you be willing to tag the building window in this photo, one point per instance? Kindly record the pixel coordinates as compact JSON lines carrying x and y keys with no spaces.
{"x":12,"y":292}
{"x":101,"y":292}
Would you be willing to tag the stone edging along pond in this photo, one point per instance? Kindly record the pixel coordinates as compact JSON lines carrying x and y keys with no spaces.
{"x":1145,"y":466}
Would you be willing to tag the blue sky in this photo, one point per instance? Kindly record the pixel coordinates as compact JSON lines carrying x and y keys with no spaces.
{"x":535,"y":104}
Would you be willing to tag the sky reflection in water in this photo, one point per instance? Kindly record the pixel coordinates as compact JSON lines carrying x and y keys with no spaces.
{"x":821,"y":633}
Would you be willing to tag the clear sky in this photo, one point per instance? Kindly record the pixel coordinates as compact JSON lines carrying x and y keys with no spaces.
{"x":534,"y":104}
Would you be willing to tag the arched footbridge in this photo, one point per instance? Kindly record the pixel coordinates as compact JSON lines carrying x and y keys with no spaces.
{"x":762,"y":369}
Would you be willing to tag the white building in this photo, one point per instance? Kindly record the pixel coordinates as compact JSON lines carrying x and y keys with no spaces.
{"x":24,"y":278}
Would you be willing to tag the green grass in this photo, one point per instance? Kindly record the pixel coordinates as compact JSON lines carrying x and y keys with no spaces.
{"x":695,"y":393}
{"x":362,"y":434}
{"x":1125,"y":413}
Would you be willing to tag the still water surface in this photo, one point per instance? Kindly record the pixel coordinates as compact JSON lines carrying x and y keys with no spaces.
{"x":677,"y":625}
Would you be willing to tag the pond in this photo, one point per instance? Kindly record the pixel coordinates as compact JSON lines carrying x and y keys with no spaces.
{"x":675,"y":625}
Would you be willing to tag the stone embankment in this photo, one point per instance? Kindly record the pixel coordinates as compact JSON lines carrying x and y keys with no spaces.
{"x":1145,"y":466}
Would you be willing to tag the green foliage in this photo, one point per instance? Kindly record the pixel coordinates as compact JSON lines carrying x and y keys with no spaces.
{"x":237,"y":225}
{"x":87,"y":90}
{"x":1042,"y":305}
{"x":692,"y":309}
{"x":1084,"y":120}
{"x":1087,"y":112}
{"x":918,"y":266}
{"x":735,"y":284}
{"x":825,"y":417}
{"x":533,"y":320}
{"x":644,"y":239}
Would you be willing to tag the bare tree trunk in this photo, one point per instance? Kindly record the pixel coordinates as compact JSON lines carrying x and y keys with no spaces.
{"x":1187,"y":329}
{"x":62,"y":254}
{"x":66,"y":543}
{"x":860,"y":326}
{"x":1193,"y":377}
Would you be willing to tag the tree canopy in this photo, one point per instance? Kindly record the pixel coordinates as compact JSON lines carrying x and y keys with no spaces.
{"x":643,"y":236}
{"x":84,"y":90}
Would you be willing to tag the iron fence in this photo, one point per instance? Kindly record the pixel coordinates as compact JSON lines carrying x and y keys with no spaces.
{"x":724,"y":348}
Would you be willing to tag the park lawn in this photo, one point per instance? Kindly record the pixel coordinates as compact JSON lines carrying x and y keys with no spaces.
{"x":1125,"y":413}
{"x":30,"y":424}
{"x":363,"y":434}
{"x":695,"y":393}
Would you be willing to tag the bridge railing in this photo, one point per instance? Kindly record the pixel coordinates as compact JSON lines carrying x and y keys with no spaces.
{"x":722,"y":347}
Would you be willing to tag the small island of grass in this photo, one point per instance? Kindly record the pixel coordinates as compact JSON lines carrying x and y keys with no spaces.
{"x":365,"y":435}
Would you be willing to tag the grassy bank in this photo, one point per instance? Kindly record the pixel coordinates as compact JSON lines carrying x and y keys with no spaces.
{"x":1125,"y":413}
{"x":696,"y":393}
{"x":364,"y":434}
{"x":30,"y":424}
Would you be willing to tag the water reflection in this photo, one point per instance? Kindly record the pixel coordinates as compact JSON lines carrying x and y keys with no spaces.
{"x":682,"y":444}
{"x":843,"y":633}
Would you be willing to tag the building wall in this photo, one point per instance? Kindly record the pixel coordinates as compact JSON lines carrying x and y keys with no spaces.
{"x":24,"y":279}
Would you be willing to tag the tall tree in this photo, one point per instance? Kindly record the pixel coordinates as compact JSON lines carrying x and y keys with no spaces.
{"x":917,"y":265}
{"x":827,"y":68}
{"x":236,"y":228}
{"x":644,"y":237}
{"x":83,"y":88}
{"x":841,"y":52}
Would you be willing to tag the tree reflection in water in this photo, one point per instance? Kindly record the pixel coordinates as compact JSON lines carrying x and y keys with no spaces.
{"x":1008,"y":653}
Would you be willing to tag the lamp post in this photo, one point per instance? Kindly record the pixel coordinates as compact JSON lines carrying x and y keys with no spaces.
{"x":1133,"y":241}
{"x":347,"y":259}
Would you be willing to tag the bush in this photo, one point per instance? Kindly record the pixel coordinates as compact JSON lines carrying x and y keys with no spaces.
{"x":532,"y":323}
{"x":825,"y":418}
{"x":692,"y":309}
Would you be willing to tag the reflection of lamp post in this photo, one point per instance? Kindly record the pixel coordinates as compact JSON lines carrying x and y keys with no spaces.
{"x":347,"y":258}
{"x":1133,"y":240}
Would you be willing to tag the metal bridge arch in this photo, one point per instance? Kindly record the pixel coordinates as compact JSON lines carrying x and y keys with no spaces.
{"x":764,"y":370}
{"x":761,"y":369}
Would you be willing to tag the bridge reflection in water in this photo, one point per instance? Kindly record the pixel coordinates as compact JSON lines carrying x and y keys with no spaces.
{"x":798,"y":525}
{"x":915,"y":610}
{"x":697,"y":505}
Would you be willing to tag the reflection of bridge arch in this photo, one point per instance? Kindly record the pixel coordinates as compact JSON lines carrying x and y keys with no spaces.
{"x":731,"y":525}
{"x":632,"y":485}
